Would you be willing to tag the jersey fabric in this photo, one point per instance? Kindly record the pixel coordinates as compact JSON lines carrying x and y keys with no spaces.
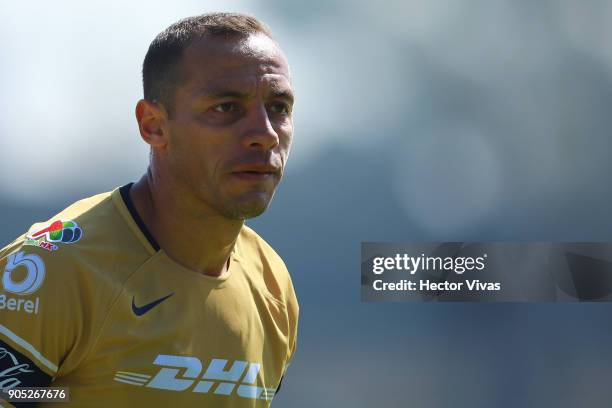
{"x":90,"y":302}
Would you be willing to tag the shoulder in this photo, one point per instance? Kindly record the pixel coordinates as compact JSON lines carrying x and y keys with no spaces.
{"x":259,"y":257}
{"x":257,"y":252}
{"x":62,"y":277}
{"x":88,"y":245}
{"x":52,"y":294}
{"x":252,"y":244}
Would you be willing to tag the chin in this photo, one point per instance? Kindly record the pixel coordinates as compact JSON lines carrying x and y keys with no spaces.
{"x":246,"y":209}
{"x":245,"y":213}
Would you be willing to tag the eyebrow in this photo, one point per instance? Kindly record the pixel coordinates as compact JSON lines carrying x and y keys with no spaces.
{"x":214,"y":94}
{"x":283,"y":95}
{"x":227,"y":93}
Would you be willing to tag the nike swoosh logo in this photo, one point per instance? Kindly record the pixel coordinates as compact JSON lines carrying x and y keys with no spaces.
{"x":139,"y":311}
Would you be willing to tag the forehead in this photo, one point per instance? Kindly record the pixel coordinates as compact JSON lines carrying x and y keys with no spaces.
{"x":243,"y":63}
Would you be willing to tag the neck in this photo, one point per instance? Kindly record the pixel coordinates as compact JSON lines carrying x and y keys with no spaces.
{"x":190,"y":233}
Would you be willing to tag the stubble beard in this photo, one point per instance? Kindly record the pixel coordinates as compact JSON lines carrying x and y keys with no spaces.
{"x":243,"y":208}
{"x":240,"y":207}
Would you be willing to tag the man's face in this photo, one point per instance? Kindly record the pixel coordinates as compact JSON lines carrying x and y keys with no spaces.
{"x":231,"y":125}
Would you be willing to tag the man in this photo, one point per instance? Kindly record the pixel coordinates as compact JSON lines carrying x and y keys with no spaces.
{"x":157,"y":294}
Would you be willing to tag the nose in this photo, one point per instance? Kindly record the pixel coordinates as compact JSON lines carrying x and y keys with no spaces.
{"x":260,"y":133}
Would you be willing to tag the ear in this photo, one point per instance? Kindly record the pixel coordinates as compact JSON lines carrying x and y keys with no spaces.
{"x":151,"y":118}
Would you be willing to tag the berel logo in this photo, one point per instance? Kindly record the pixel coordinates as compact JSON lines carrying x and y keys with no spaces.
{"x":34,"y":277}
{"x":168,"y":378}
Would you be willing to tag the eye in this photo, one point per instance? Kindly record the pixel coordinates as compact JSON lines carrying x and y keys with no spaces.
{"x":225,"y":107}
{"x":280,"y":107}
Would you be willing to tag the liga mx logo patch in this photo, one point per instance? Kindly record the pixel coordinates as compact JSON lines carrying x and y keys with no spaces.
{"x":66,"y":232}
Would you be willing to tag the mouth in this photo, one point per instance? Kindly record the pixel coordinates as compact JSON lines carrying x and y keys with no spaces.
{"x":255,"y":175}
{"x":257,"y":172}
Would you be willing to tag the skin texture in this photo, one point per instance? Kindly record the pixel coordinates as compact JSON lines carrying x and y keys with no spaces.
{"x":220,"y":152}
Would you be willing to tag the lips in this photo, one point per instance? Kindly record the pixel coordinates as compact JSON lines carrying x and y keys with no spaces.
{"x":257,"y":168}
{"x":254,"y":176}
{"x":257,"y":171}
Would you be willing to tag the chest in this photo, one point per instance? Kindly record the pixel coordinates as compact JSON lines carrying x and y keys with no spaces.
{"x":190,"y":341}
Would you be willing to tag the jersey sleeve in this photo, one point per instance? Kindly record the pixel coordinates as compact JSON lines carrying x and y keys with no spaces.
{"x":44,"y":315}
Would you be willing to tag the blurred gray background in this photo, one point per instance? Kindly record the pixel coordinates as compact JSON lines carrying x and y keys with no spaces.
{"x":434,"y":120}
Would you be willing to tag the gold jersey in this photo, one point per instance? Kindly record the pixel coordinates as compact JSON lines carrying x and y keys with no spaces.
{"x":89,"y":301}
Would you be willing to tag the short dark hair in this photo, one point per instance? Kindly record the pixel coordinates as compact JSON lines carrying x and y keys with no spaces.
{"x":159,"y":76}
